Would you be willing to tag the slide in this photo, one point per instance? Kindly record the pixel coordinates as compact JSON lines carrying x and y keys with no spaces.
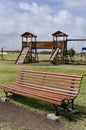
{"x":22,"y":55}
{"x":54,"y":54}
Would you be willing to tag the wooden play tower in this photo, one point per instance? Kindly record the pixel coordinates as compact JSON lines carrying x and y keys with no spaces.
{"x":59,"y":48}
{"x":28,"y":53}
{"x":30,"y":45}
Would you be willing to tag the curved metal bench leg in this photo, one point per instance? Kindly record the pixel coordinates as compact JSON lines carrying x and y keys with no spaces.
{"x":6,"y":92}
{"x":56,"y":110}
{"x":72,"y":104}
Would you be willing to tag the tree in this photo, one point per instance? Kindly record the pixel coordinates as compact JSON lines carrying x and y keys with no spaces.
{"x":71,"y":53}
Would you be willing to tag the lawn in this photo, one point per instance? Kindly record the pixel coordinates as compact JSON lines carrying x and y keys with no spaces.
{"x":9,"y":71}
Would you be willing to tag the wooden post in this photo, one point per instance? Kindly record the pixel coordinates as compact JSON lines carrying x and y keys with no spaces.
{"x":22,"y":42}
{"x":36,"y":54}
{"x":2,"y":53}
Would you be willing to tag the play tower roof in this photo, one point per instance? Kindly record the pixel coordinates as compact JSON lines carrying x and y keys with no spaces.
{"x":59,"y":34}
{"x":28,"y":35}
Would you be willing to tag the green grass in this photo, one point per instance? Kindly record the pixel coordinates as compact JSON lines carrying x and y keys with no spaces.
{"x":8,"y":74}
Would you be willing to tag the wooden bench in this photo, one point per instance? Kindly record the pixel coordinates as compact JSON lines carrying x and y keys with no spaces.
{"x":55,"y":88}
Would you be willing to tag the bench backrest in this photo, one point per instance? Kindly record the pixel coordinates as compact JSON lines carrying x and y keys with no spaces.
{"x":65,"y":84}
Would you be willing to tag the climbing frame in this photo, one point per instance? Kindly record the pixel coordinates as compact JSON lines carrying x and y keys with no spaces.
{"x":28,"y":53}
{"x":59,"y":48}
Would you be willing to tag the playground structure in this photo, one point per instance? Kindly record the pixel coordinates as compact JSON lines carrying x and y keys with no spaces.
{"x":58,"y":45}
{"x":30,"y":45}
{"x":59,"y":48}
{"x":29,"y":51}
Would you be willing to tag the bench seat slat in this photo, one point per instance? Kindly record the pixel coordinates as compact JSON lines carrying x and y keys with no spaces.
{"x":50,"y":95}
{"x":33,"y":96}
{"x":58,"y":94}
{"x":31,"y":93}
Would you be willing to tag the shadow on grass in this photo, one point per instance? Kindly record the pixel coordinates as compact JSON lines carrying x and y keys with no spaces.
{"x":48,"y":108}
{"x":80,"y":115}
{"x":33,"y":103}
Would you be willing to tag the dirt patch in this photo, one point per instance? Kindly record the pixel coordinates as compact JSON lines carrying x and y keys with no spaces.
{"x":24,"y":118}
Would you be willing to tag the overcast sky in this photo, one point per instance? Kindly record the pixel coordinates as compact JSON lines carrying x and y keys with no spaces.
{"x":41,"y":17}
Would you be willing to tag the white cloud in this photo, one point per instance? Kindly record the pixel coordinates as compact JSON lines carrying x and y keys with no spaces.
{"x":71,"y":3}
{"x":34,"y":8}
{"x":74,"y":3}
{"x":40,"y":20}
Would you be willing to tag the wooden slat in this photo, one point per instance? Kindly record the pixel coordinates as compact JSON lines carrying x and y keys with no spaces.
{"x":24,"y":90}
{"x":52,"y":73}
{"x":39,"y":86}
{"x":53,"y":96}
{"x":46,"y":86}
{"x":50,"y":83}
{"x":33,"y":96}
{"x":50,"y":80}
{"x":55,"y":79}
{"x":51,"y":90}
{"x":63,"y":79}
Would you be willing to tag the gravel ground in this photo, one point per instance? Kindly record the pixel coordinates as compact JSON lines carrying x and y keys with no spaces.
{"x":26,"y":119}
